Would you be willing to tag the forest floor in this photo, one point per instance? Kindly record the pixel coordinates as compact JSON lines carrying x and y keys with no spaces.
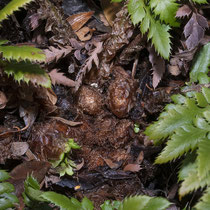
{"x":109,"y":84}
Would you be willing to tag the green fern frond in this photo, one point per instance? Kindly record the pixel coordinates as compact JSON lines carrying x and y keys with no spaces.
{"x":175,"y":116}
{"x":186,"y":124}
{"x":19,"y":53}
{"x":11,"y":7}
{"x":200,"y":1}
{"x":193,"y":182}
{"x":166,"y":9}
{"x":26,"y":71}
{"x":184,"y":140}
{"x":204,"y":202}
{"x":201,"y":63}
{"x":144,"y":202}
{"x":160,"y":38}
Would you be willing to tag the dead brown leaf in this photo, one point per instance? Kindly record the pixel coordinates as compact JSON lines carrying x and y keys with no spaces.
{"x":194,"y":30}
{"x":59,"y":78}
{"x":19,"y":148}
{"x":158,"y":66}
{"x":140,"y":158}
{"x":67,"y":122}
{"x":132,"y":167}
{"x":183,"y":11}
{"x":51,"y":96}
{"x":77,"y":21}
{"x":3,"y":100}
{"x":85,"y":33}
{"x":86,"y":67}
{"x":19,"y":174}
{"x":54,"y":53}
{"x":110,"y":9}
{"x":80,"y":165}
{"x":110,"y":163}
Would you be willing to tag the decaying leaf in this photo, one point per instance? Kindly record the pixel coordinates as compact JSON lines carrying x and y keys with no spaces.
{"x":85,"y":33}
{"x":158,"y":66}
{"x":29,"y":113}
{"x":86,"y":67}
{"x":59,"y":78}
{"x":19,"y":148}
{"x":132,"y":167}
{"x":67,"y":122}
{"x":110,"y":10}
{"x":56,"y":53}
{"x":80,"y":165}
{"x":183,"y":11}
{"x":19,"y":174}
{"x":194,"y":30}
{"x":111,"y":164}
{"x":77,"y":21}
{"x":3,"y":100}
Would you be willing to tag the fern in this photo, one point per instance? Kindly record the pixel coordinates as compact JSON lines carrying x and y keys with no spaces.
{"x":22,"y":53}
{"x":201,"y":67}
{"x":156,"y":17}
{"x":63,"y":202}
{"x":26,"y":71}
{"x":17,"y":59}
{"x":11,"y":7}
{"x":186,"y":126}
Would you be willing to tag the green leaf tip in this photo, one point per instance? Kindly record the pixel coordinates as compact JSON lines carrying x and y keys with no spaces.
{"x":11,"y":7}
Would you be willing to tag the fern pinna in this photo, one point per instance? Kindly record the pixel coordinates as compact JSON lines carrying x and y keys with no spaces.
{"x":186,"y":126}
{"x":17,"y":60}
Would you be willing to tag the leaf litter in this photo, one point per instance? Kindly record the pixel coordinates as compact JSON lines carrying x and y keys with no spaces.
{"x":109,"y":92}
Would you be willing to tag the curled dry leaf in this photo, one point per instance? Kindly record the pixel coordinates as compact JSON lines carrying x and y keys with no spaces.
{"x":111,"y":164}
{"x":51,"y":96}
{"x":54,"y":53}
{"x":86,"y":67}
{"x":77,"y":21}
{"x":85,"y":33}
{"x":183,"y":11}
{"x":3,"y":100}
{"x":59,"y":78}
{"x":194,"y":30}
{"x":158,"y":66}
{"x":80,"y":165}
{"x":29,"y":113}
{"x":132,"y":167}
{"x":19,"y":148}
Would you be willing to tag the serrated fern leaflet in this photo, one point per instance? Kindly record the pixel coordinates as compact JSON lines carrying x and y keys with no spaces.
{"x":11,"y":7}
{"x":26,"y":71}
{"x":19,"y":53}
